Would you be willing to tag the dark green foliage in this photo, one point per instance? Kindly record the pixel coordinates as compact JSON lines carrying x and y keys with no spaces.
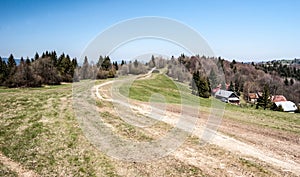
{"x":135,"y":63}
{"x":152,"y":62}
{"x":3,"y":71}
{"x":106,"y":65}
{"x":11,"y":65}
{"x":200,"y":85}
{"x":74,"y":63}
{"x":100,"y":61}
{"x":275,"y":108}
{"x":237,"y":87}
{"x":292,"y":82}
{"x":36,"y":56}
{"x":282,"y":70}
{"x":286,"y":82}
{"x":232,"y":64}
{"x":84,"y":72}
{"x":231,"y":87}
{"x":115,"y":64}
{"x":123,"y":62}
{"x":65,"y":68}
{"x":264,"y":101}
{"x":47,"y":69}
{"x":213,"y":79}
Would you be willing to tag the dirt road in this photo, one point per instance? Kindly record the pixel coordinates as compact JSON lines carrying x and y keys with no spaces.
{"x":240,"y":147}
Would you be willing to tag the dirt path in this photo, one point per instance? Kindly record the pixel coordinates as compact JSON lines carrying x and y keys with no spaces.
{"x":16,"y":167}
{"x":229,"y":143}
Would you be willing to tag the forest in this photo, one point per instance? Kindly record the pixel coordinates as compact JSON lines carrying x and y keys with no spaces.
{"x":206,"y":73}
{"x":49,"y":69}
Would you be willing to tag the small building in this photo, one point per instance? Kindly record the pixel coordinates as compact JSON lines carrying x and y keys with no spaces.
{"x":252,"y":97}
{"x":278,"y":98}
{"x":287,"y":106}
{"x":227,"y":96}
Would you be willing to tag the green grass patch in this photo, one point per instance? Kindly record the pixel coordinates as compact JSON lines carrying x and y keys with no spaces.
{"x":169,"y":91}
{"x":180,"y":93}
{"x":39,"y":130}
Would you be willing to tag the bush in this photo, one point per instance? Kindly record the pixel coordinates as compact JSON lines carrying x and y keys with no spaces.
{"x":155,"y":71}
{"x":298,"y":110}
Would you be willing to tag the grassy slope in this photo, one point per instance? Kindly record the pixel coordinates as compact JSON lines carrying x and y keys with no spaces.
{"x":173,"y":92}
{"x":39,"y":130}
{"x":159,"y":83}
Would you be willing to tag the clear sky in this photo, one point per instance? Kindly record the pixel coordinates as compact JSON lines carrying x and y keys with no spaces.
{"x":235,"y":29}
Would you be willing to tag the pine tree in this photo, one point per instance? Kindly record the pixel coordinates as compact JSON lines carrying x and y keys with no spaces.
{"x":152,"y":62}
{"x":54,"y":58}
{"x":27,"y":61}
{"x":11,"y":65}
{"x":286,"y":82}
{"x":194,"y":83}
{"x":203,"y":88}
{"x":200,"y":85}
{"x":116,"y":65}
{"x":213,"y":79}
{"x":66,"y":69}
{"x":74,"y":63}
{"x":264,"y":101}
{"x":84,"y":72}
{"x":292,"y":82}
{"x":234,"y":69}
{"x":100,"y":61}
{"x":3,"y":71}
{"x":135,"y":63}
{"x":231,"y":87}
{"x":106,"y":65}
{"x":36,"y":56}
{"x":237,"y":88}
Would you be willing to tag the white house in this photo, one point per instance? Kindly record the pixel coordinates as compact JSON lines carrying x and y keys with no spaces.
{"x":227,"y":96}
{"x":287,"y":106}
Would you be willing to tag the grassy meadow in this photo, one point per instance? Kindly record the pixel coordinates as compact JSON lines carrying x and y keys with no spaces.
{"x":159,"y":83}
{"x":39,"y":130}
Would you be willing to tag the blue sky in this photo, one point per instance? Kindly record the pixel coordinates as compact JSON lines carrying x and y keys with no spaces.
{"x":234,"y":29}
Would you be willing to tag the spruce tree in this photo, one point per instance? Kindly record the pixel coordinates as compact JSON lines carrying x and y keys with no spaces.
{"x":106,"y":65}
{"x":84,"y":72}
{"x":292,"y":82}
{"x":36,"y":56}
{"x":3,"y":71}
{"x":231,"y":87}
{"x":264,"y":101}
{"x":11,"y":65}
{"x":100,"y":61}
{"x":213,"y":79}
{"x":286,"y":82}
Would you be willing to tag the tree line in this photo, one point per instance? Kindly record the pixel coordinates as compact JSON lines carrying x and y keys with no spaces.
{"x":47,"y":69}
{"x":284,"y":70}
{"x":207,"y":73}
{"x":50,"y":69}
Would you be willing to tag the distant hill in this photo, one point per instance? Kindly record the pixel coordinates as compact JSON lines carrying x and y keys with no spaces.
{"x":281,"y":76}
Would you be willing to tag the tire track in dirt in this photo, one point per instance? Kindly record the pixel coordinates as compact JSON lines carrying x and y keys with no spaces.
{"x":223,"y":141}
